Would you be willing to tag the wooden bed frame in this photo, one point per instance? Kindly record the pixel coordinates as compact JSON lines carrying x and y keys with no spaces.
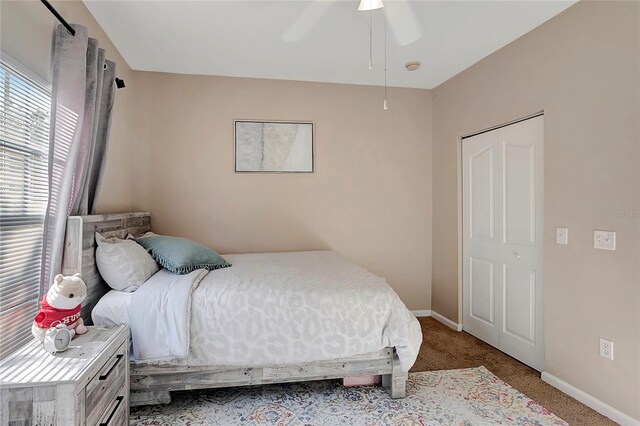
{"x":151,"y":384}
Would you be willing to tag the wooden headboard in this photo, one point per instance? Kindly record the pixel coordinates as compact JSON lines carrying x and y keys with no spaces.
{"x":80,"y":248}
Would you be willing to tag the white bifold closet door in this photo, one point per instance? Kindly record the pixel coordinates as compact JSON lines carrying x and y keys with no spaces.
{"x":502,"y":239}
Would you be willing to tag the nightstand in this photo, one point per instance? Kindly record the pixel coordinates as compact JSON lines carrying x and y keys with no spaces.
{"x":88,"y":384}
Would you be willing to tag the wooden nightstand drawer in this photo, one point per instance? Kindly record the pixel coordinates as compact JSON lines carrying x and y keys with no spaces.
{"x":105,"y":386}
{"x":91,"y":378}
{"x":117,"y":413}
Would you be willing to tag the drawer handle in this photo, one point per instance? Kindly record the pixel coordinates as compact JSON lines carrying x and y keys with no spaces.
{"x":105,"y":375}
{"x":113,"y":412}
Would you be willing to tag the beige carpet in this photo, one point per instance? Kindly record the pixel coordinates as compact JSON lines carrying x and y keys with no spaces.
{"x":444,"y":348}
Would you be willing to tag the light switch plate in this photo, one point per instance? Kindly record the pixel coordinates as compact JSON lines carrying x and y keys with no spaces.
{"x":604,"y":240}
{"x":562,"y":235}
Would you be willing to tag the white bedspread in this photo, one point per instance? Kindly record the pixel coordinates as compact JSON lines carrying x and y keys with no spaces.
{"x":160,"y":313}
{"x":278,"y":308}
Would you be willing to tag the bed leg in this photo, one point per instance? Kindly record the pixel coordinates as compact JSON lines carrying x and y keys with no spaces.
{"x":137,"y":398}
{"x":399,"y":386}
{"x":397,"y":380}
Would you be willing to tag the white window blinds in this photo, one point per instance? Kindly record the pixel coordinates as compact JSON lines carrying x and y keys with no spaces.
{"x":25,"y":103}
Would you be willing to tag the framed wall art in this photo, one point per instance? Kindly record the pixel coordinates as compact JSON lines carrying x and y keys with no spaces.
{"x":274,"y":146}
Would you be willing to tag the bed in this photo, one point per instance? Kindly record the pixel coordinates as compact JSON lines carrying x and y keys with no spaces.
{"x":270,"y":318}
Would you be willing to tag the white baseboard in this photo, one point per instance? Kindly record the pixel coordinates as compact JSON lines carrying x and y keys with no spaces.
{"x":436,"y":316}
{"x":590,"y":401}
{"x":446,"y":321}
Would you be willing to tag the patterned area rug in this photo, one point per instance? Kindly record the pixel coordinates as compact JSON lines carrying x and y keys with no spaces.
{"x":472,"y":396}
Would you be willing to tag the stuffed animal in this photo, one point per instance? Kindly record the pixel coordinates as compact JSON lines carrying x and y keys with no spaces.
{"x":61,"y":305}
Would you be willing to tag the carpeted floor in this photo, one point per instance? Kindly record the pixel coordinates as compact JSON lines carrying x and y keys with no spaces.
{"x":444,"y":348}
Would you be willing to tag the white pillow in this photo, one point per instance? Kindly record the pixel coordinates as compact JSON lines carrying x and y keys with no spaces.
{"x":124,"y":264}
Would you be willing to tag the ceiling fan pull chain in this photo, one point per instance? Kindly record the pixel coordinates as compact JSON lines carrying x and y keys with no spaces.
{"x":385,"y":105}
{"x":371,"y":39}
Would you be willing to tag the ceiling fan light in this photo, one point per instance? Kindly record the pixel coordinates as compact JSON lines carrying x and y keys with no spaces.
{"x":370,"y":4}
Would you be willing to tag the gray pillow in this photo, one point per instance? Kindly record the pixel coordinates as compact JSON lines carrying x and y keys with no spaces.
{"x":180,"y":255}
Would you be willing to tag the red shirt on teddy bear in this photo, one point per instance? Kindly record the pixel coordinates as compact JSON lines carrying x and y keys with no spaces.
{"x":49,"y":316}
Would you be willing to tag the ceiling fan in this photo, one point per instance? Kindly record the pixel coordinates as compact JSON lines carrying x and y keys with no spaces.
{"x":400,"y":18}
{"x":399,"y":14}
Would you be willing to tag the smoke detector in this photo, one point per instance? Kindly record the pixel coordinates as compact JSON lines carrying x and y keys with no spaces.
{"x":412,"y":66}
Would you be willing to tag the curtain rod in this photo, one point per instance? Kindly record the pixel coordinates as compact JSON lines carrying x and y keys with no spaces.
{"x":59,"y":17}
{"x":72,"y":31}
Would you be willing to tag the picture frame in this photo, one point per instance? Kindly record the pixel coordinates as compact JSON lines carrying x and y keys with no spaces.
{"x":270,"y":146}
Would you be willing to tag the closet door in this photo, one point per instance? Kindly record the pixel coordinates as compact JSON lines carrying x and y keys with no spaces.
{"x":481,"y":227}
{"x":502,"y":239}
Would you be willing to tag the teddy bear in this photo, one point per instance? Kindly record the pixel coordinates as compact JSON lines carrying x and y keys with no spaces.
{"x":61,"y":305}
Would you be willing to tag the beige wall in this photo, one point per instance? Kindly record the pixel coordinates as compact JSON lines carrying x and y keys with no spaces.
{"x":369,"y":199}
{"x":583,"y":68}
{"x":26,"y":33}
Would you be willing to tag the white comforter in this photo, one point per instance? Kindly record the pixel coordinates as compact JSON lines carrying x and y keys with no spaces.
{"x":161,"y":316}
{"x":273,"y":308}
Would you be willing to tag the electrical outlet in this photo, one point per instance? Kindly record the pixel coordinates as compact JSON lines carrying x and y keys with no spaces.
{"x":606,"y":348}
{"x":562,"y":235}
{"x":604,"y":240}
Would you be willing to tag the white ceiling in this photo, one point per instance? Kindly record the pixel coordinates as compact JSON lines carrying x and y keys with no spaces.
{"x":322,"y":40}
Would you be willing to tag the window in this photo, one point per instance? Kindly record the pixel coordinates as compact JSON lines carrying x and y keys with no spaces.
{"x":25,"y":103}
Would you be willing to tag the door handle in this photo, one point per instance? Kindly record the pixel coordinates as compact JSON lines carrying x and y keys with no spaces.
{"x":517,"y":255}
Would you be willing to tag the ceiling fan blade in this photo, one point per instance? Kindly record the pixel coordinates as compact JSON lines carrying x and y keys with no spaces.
{"x":403,"y":23}
{"x":308,"y":19}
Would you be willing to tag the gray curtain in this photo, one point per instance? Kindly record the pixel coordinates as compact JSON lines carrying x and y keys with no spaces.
{"x":83,"y":92}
